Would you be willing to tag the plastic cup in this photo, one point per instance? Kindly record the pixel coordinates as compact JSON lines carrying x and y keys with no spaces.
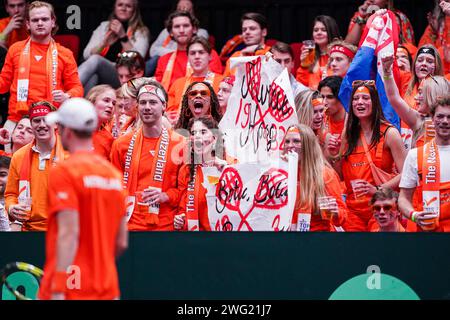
{"x":433,"y":218}
{"x":26,"y":201}
{"x":154,"y":208}
{"x":356,"y":185}
{"x":143,"y":206}
{"x":326,"y":206}
{"x":311,"y":46}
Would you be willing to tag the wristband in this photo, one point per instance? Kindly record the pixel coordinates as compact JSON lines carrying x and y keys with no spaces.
{"x":359,"y":20}
{"x":413,"y":215}
{"x":59,"y":282}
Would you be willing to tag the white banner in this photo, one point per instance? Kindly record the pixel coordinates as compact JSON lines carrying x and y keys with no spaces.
{"x":252,"y":197}
{"x":260,"y":109}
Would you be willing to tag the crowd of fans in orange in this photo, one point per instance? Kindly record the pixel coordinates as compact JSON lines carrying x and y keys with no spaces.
{"x":357,"y":157}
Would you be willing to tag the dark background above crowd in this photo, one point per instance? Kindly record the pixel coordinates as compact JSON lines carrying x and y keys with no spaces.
{"x":289,"y":20}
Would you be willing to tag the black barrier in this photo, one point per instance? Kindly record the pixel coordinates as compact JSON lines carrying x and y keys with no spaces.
{"x":265,"y":265}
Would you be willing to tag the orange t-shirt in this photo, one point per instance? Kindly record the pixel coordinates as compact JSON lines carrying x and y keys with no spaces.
{"x":168,"y":209}
{"x":335,"y":127}
{"x":405,"y":78}
{"x":180,"y":64}
{"x":356,"y":166}
{"x":16,"y":34}
{"x":312,"y":79}
{"x":103,"y":140}
{"x":333,"y":189}
{"x":437,"y":40}
{"x":67,"y":75}
{"x":202,"y":206}
{"x":229,"y":72}
{"x":177,"y":89}
{"x":90,"y":185}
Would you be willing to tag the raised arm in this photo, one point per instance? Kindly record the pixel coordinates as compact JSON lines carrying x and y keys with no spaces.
{"x":410,"y":116}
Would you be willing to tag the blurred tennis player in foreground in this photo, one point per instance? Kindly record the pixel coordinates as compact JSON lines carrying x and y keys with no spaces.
{"x":86,"y":228}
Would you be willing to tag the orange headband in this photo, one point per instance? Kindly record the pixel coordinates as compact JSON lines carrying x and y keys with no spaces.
{"x":341,"y":49}
{"x":317,"y":102}
{"x":39,"y":111}
{"x":293,"y":130}
{"x":363,"y":89}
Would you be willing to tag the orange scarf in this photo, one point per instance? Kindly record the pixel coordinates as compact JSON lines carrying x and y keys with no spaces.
{"x":431,"y":177}
{"x":130,"y":174}
{"x":25,"y":170}
{"x":23,"y":78}
{"x":192,"y":202}
{"x":167,"y":41}
{"x":169,"y":70}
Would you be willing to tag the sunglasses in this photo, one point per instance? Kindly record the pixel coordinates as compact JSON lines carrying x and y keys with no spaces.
{"x":359,"y":83}
{"x":203,"y":93}
{"x":127,"y":55}
{"x":386,"y":208}
{"x":130,"y":84}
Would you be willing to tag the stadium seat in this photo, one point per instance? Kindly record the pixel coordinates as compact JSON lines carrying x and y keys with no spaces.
{"x":212,"y":41}
{"x":271,"y":42}
{"x":296,"y":48}
{"x":70,"y":41}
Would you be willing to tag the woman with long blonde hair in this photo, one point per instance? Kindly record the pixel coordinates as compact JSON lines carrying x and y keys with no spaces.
{"x":317,"y":183}
{"x":126,"y":117}
{"x":429,"y":89}
{"x":124,"y":31}
{"x":311,"y":112}
{"x":103,"y":97}
{"x":427,"y":62}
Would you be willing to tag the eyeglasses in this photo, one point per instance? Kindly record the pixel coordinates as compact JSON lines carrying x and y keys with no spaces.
{"x":386,"y":208}
{"x":359,"y":83}
{"x":203,"y":93}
